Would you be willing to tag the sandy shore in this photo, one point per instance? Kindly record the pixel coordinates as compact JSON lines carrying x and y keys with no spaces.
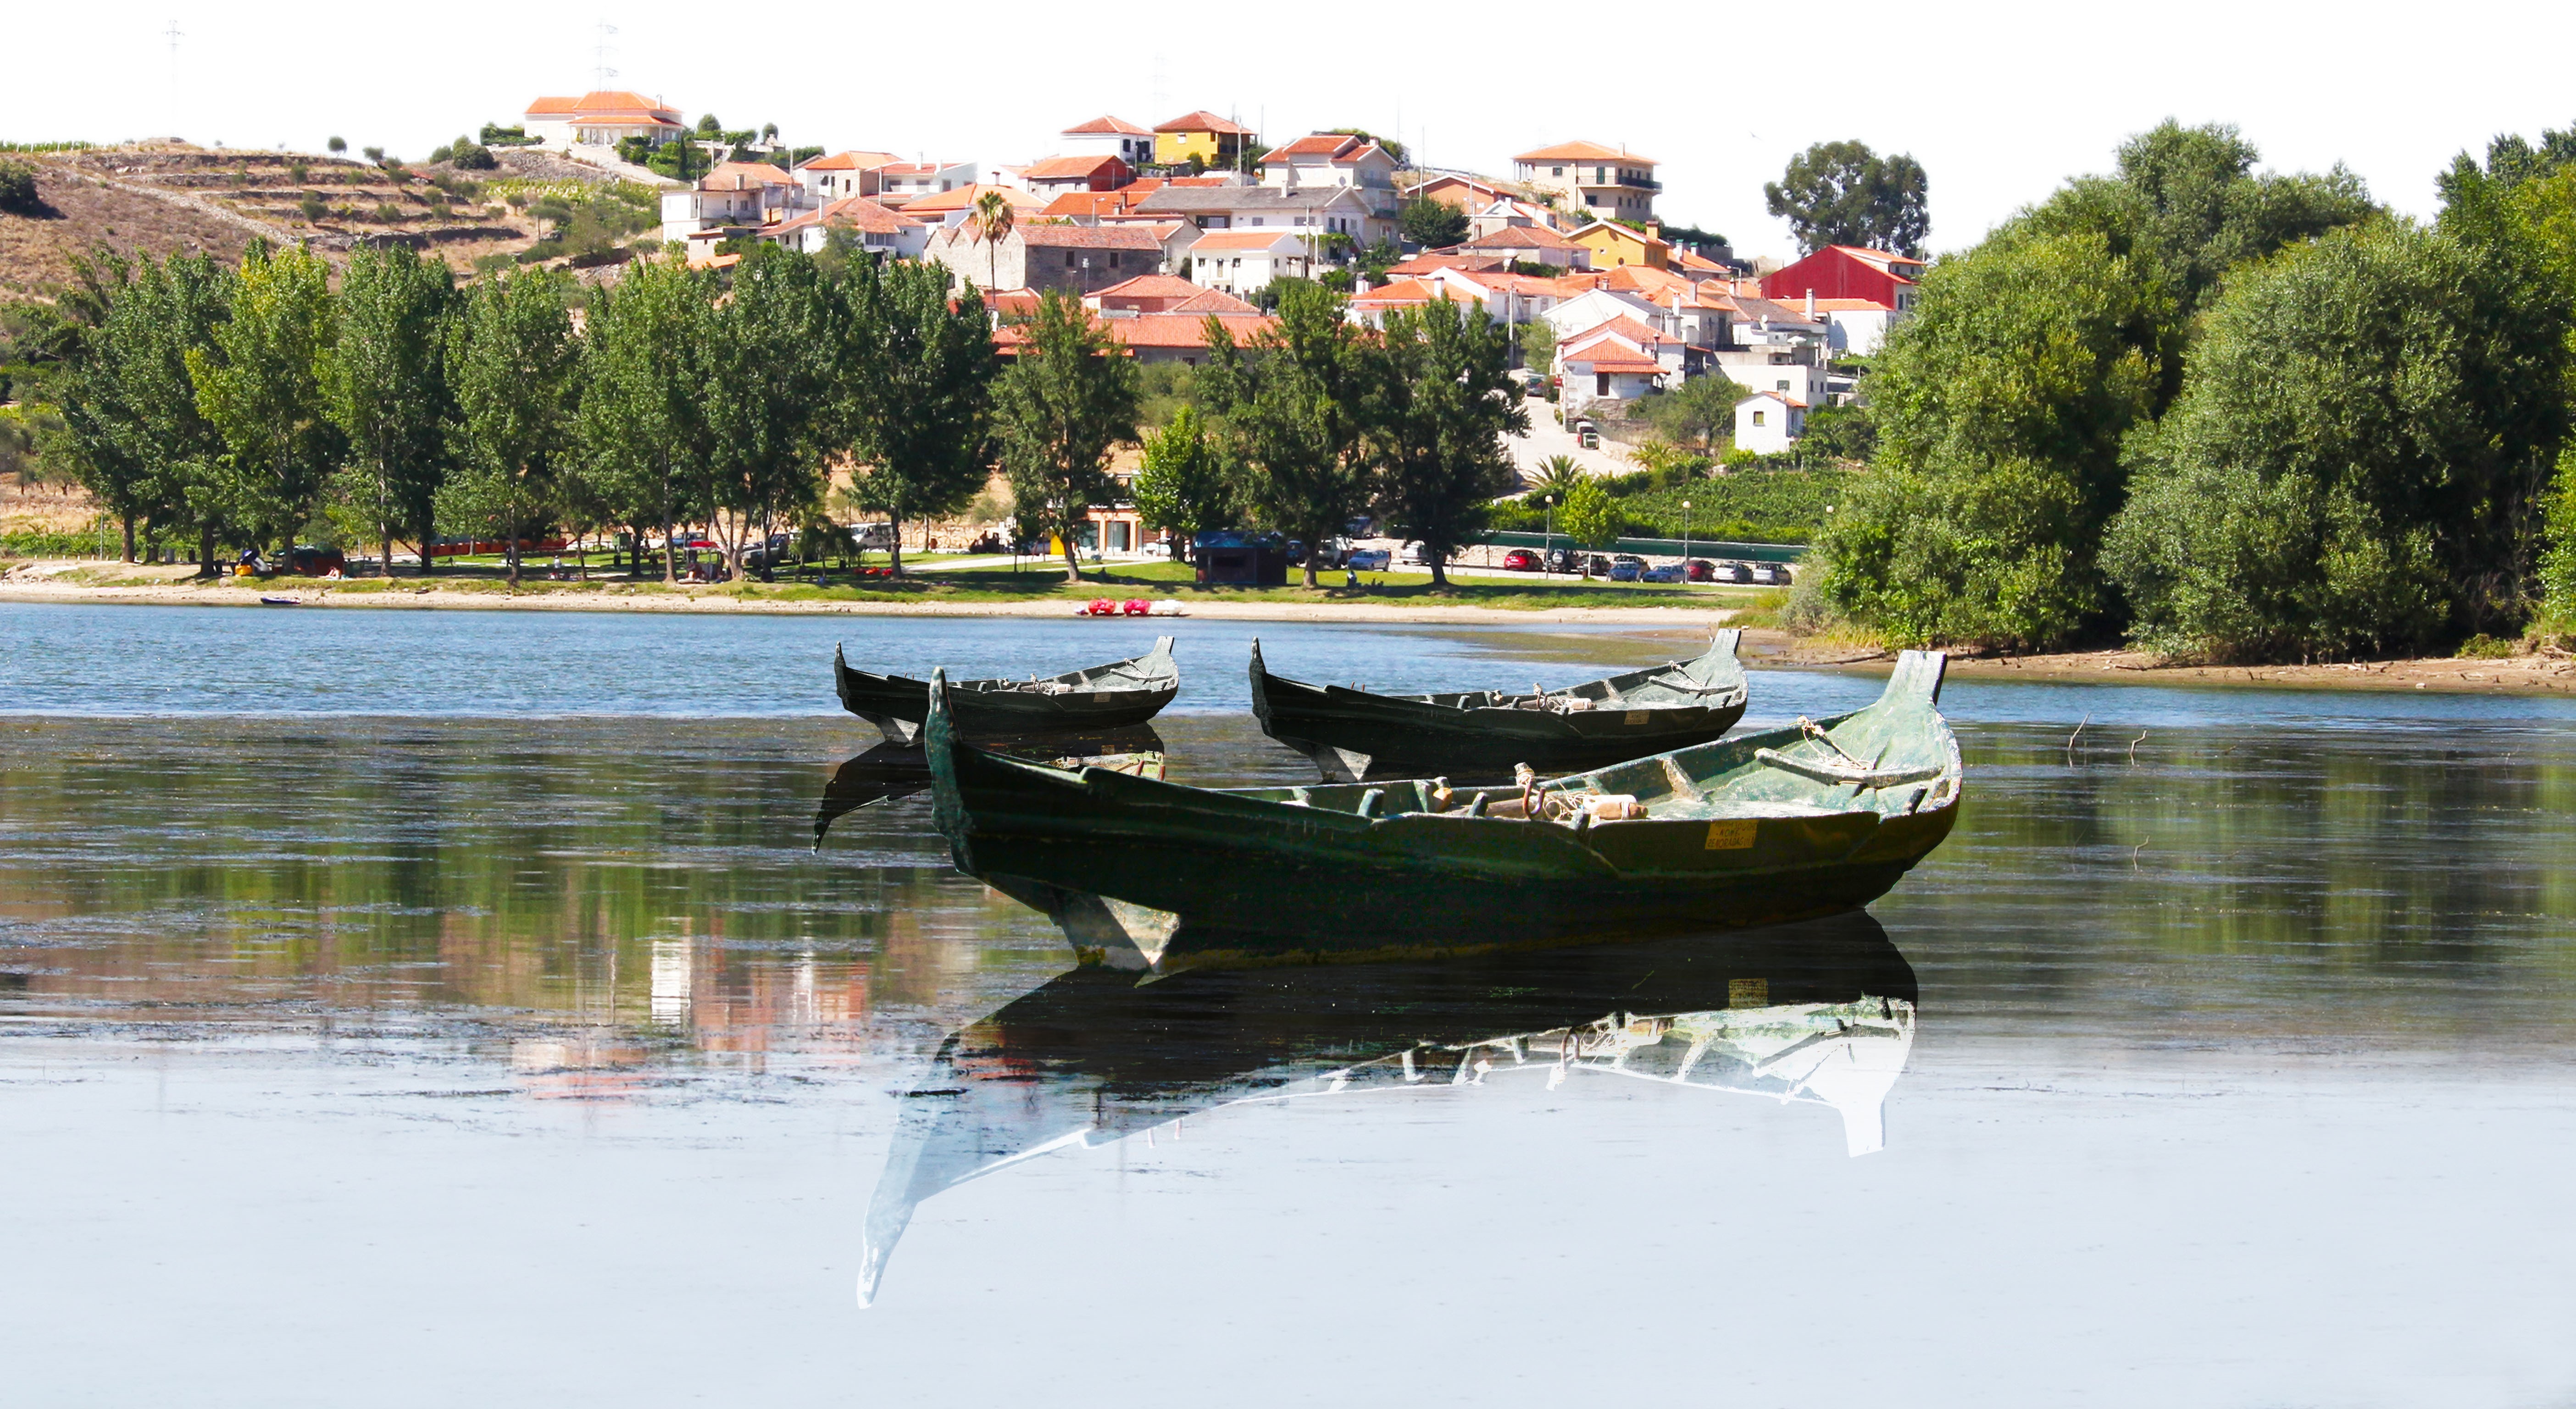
{"x":24,"y":586}
{"x":2544,"y":673}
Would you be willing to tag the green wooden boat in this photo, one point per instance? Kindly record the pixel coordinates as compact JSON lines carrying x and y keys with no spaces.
{"x":1819,"y":1014}
{"x":1103,"y":697}
{"x":1142,"y":874}
{"x":1357,"y":735}
{"x":891,"y":772}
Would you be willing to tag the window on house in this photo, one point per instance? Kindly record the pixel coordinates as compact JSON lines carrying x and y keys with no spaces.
{"x":1600,"y":384}
{"x":1757,"y":418}
{"x":1780,"y":386}
{"x":1068,"y":259}
{"x":1556,"y":171}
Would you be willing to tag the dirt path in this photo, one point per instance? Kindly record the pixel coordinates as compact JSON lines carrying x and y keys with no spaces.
{"x":2542,"y":673}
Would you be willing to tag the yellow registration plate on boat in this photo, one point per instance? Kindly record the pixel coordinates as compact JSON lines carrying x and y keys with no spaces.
{"x":1736,"y":835}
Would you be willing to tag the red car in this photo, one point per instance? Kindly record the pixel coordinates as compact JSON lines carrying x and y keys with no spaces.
{"x":1521,"y":560}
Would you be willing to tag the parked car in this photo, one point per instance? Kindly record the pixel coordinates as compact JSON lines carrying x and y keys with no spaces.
{"x":1770,"y":575}
{"x":774,"y":553}
{"x":1521,"y":560}
{"x":1564,"y":560}
{"x":1669,"y":572}
{"x":1414,"y":555}
{"x":1597,"y":565}
{"x":1296,"y":552}
{"x":1700,"y":570}
{"x":1368,"y":560}
{"x":1734,"y":572}
{"x":1626,"y":570}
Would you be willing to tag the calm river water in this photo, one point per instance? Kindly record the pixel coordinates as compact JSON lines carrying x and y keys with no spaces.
{"x":437,"y":1008}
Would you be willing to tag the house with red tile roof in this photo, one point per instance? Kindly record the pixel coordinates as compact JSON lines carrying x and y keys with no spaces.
{"x":1529,"y":244}
{"x":1609,"y":183}
{"x":1110,"y":137}
{"x":877,"y":230}
{"x":1605,"y":369}
{"x":601,"y":119}
{"x":1057,"y":175}
{"x":951,"y":207}
{"x":1768,"y":422}
{"x":1082,"y":258}
{"x":1203,"y":137}
{"x":736,"y":194}
{"x":1092,"y":207}
{"x":1157,"y":337}
{"x":1164,"y":293}
{"x":1330,"y":159}
{"x":1245,"y":261}
{"x":844,"y":174}
{"x":923,"y":178}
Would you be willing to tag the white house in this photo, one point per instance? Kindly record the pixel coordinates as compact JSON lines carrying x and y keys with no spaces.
{"x":1341,"y":210}
{"x":745,"y":194}
{"x":878,"y":230}
{"x":601,"y":119}
{"x":843,"y":175}
{"x":1241,"y":261}
{"x":1767,"y":422}
{"x":1855,"y":327}
{"x":1605,"y":370}
{"x":923,"y":178}
{"x":1329,"y":159}
{"x":1110,"y":137}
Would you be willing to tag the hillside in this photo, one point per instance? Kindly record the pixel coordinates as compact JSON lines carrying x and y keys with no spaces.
{"x":171,"y":198}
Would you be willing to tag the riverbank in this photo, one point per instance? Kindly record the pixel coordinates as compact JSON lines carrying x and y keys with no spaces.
{"x":2540,"y":674}
{"x":1392,"y":597}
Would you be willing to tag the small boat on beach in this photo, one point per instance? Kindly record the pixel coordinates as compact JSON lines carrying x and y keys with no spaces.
{"x":1108,"y":696}
{"x":1357,"y":735}
{"x":1142,"y":874}
{"x":281,"y":601}
{"x":1819,"y":1015}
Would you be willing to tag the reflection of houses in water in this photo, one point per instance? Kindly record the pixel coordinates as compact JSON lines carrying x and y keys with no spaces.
{"x":1820,"y":1013}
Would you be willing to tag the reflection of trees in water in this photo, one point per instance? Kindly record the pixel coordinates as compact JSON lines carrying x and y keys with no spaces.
{"x":2332,"y":851}
{"x":437,"y":864}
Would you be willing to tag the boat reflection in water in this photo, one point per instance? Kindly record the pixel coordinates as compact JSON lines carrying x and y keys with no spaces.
{"x":893,"y":772}
{"x":1820,"y":1012}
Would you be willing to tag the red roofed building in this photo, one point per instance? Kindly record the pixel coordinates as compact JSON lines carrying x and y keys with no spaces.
{"x":1093,"y":207}
{"x":601,"y":119}
{"x":1058,"y":175}
{"x":1243,"y":261}
{"x":1529,"y":244}
{"x":1164,"y":293}
{"x":1848,"y":271}
{"x":1330,"y":159}
{"x":1111,"y":137}
{"x":1609,"y":182}
{"x":1082,"y":258}
{"x":1201,"y":136}
{"x":844,"y":174}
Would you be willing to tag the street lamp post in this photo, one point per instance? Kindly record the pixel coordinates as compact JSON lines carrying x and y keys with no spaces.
{"x":1547,"y":553}
{"x":1685,"y":540}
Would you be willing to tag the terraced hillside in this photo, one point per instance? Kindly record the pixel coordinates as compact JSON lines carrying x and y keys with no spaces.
{"x":166,"y":198}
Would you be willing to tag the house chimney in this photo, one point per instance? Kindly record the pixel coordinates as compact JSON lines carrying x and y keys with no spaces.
{"x":1811,"y":305}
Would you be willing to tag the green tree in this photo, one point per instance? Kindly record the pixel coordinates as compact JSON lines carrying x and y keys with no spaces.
{"x":1292,"y":413}
{"x":2366,"y":419}
{"x":1438,"y":404}
{"x":916,"y":391}
{"x":1185,"y":487}
{"x":643,"y":419}
{"x":1842,"y":193}
{"x":1537,"y":339}
{"x":1695,"y":413}
{"x":1589,"y":515}
{"x":1432,"y":224}
{"x":260,"y":385}
{"x":132,"y":431}
{"x":770,"y":360}
{"x":514,"y":366}
{"x":1059,"y":410}
{"x":337,"y":145}
{"x":990,"y":221}
{"x":18,"y":193}
{"x":387,"y":382}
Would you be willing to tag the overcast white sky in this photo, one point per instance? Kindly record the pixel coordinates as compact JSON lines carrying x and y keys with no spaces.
{"x":1998,"y":101}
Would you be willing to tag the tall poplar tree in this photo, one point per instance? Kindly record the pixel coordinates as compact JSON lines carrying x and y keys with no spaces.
{"x":387,"y":381}
{"x":1438,"y":406}
{"x":917,"y":391}
{"x":771,"y":365}
{"x":1294,"y":415}
{"x":131,"y":425}
{"x":259,"y":384}
{"x":643,"y":413}
{"x":513,"y":364}
{"x":1069,"y":400}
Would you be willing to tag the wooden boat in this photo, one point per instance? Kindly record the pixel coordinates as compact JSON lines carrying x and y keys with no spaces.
{"x":891,"y":772}
{"x":1357,"y":735}
{"x":1103,"y":697}
{"x":1798,"y":822}
{"x":1820,"y":1014}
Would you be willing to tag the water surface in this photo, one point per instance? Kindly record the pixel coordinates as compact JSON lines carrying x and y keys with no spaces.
{"x":418,"y":1008}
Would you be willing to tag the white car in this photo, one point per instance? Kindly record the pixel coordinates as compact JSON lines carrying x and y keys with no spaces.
{"x":1368,"y":560}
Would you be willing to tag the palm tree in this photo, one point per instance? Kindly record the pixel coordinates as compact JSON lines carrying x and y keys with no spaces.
{"x":991,"y":220}
{"x":1557,"y":474}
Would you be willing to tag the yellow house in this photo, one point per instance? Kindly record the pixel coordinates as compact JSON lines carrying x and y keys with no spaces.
{"x":1216,"y":142}
{"x":1615,"y":245}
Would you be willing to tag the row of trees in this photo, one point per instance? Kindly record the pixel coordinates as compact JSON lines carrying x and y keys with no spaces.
{"x":2232,"y":415}
{"x":220,"y":407}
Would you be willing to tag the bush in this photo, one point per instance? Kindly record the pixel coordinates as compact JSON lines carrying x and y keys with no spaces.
{"x":438,"y":154}
{"x":2485,"y":647}
{"x":468,"y":156}
{"x":388,"y":211}
{"x":18,"y":188}
{"x":311,"y":206}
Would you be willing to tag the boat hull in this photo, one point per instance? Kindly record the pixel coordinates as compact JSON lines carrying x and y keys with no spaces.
{"x":986,"y":709}
{"x":1358,"y":736}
